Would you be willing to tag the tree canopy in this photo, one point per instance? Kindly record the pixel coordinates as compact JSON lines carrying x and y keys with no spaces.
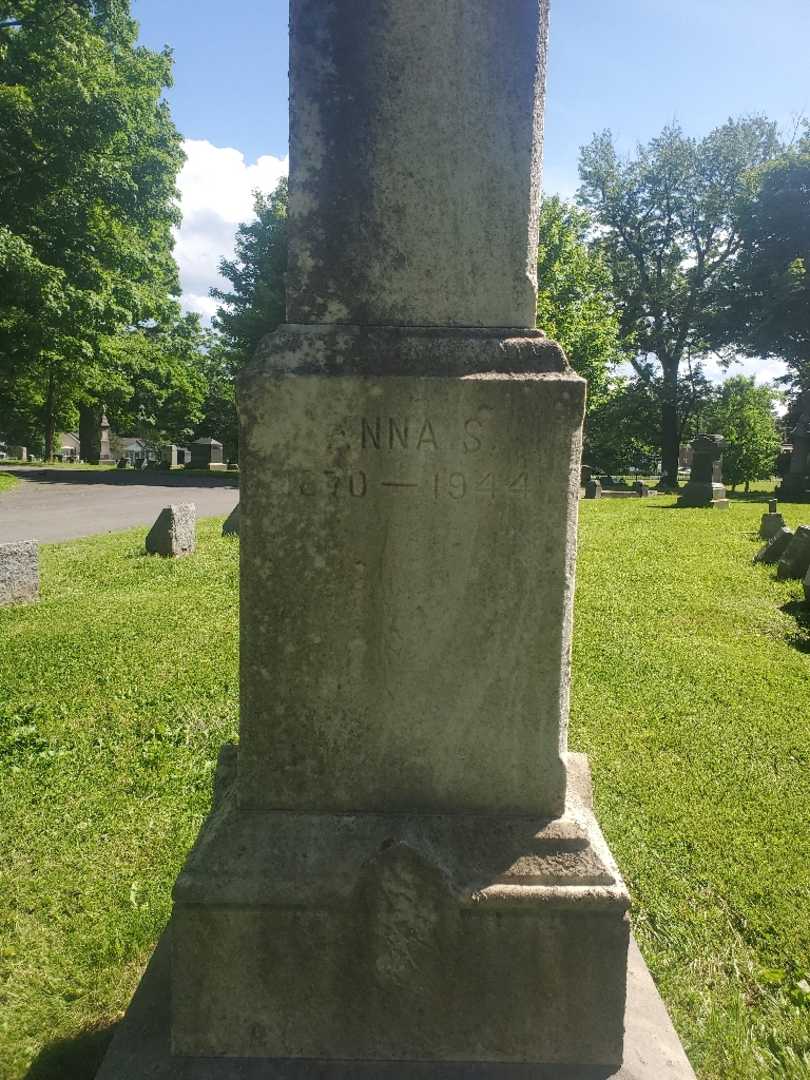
{"x":668,"y":227}
{"x":88,"y":163}
{"x":575,"y":304}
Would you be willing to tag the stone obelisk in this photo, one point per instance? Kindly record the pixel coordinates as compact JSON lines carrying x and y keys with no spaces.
{"x":403,"y":865}
{"x":396,"y":873}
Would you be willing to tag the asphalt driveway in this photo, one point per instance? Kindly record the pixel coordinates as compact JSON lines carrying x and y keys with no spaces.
{"x":63,"y":504}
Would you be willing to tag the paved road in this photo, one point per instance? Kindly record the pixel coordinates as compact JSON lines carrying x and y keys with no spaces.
{"x":64,"y":504}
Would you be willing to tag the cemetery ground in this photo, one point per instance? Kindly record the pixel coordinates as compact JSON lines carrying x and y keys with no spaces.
{"x":7,"y":482}
{"x":691,"y":682}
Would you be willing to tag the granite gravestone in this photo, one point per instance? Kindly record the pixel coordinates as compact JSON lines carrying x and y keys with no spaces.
{"x":207,"y":454}
{"x":175,"y":532}
{"x":772,"y":522}
{"x":776,"y":547}
{"x":19,"y":573}
{"x":705,"y":486}
{"x":403,"y":876}
{"x":796,"y":560}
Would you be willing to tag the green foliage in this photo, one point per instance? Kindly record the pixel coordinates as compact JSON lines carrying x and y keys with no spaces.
{"x":621,"y":433}
{"x":255,"y":304}
{"x":88,"y":162}
{"x":574,"y":303}
{"x":744,"y":413}
{"x":765,"y":308}
{"x":668,"y":228}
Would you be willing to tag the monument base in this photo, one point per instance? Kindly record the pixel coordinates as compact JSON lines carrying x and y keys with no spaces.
{"x":708,"y":496}
{"x":141,"y":1047}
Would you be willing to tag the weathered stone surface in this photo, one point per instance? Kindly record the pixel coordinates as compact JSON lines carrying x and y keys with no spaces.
{"x":593,"y":490}
{"x":141,"y":1047}
{"x":175,"y":531}
{"x":18,"y":453}
{"x":796,"y":560}
{"x":492,"y":912}
{"x":434,"y":521}
{"x":231,"y":526}
{"x":415,"y":155}
{"x":775,"y":548}
{"x":19,"y":573}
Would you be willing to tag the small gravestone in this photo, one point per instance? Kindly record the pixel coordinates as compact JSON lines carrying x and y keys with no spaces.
{"x":705,"y":486}
{"x":175,"y":532}
{"x":796,"y":561}
{"x":19,"y":453}
{"x":207,"y":454}
{"x":231,"y":526}
{"x":593,"y":490}
{"x":171,"y":457}
{"x":19,"y":573}
{"x":775,"y":548}
{"x":641,"y":489}
{"x":771,"y":522}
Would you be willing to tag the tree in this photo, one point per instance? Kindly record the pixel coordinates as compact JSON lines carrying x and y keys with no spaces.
{"x":621,"y":433}
{"x":668,"y":229}
{"x":744,"y":414}
{"x":88,"y":163}
{"x":764,"y":309}
{"x":575,"y":305}
{"x":255,"y":304}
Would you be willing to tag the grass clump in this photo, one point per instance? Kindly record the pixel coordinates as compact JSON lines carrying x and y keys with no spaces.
{"x":691,"y":677}
{"x":7,"y":482}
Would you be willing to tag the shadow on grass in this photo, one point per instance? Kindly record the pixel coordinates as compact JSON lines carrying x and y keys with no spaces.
{"x":78,"y":1058}
{"x":121,"y":478}
{"x":800,"y":611}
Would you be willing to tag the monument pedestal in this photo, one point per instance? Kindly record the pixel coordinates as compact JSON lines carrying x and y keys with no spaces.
{"x":142,"y":1047}
{"x":706,"y":494}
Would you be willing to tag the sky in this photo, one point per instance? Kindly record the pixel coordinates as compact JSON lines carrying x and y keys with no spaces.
{"x":628,"y":65}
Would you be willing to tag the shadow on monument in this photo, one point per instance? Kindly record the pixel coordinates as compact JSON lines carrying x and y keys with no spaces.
{"x":78,"y":1058}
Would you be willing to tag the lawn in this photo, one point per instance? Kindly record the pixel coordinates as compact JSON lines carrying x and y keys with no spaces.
{"x":7,"y":482}
{"x":691,"y":683}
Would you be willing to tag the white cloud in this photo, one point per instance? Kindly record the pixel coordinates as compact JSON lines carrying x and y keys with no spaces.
{"x":216,"y":194}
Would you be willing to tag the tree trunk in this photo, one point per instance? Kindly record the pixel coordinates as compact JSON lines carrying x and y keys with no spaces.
{"x":50,"y":405}
{"x":670,"y":424}
{"x":90,"y":433}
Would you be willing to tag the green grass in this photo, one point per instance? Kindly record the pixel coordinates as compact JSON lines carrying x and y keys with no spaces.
{"x":7,"y":482}
{"x":690,"y":695}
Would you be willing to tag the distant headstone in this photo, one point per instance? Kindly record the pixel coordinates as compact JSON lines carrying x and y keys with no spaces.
{"x":175,"y":531}
{"x":19,"y":573}
{"x":796,"y":560}
{"x":207,"y":454}
{"x":771,"y":522}
{"x":105,"y":456}
{"x":641,"y":489}
{"x":19,"y":453}
{"x":123,"y":463}
{"x":171,"y":455}
{"x":231,"y":526}
{"x":593,"y":490}
{"x":705,"y":487}
{"x":797,"y":480}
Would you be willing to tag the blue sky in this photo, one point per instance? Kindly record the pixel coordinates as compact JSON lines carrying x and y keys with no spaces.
{"x":628,"y":65}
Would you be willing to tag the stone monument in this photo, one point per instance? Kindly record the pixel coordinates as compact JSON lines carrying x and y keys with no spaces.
{"x":207,"y":454}
{"x":402,"y":876}
{"x":772,"y":522}
{"x":797,"y":481}
{"x":795,"y":561}
{"x":593,"y":489}
{"x":776,"y":547}
{"x":174,"y":533}
{"x":19,"y":573}
{"x":106,"y":454}
{"x":18,"y":453}
{"x":705,"y":486}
